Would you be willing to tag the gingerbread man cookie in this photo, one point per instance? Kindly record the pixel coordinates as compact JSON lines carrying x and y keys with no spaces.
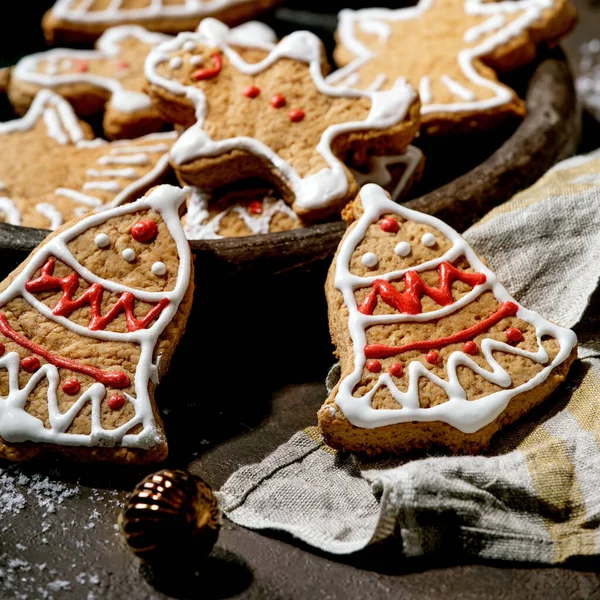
{"x":450,"y":51}
{"x":52,"y":171}
{"x":88,"y":325}
{"x":255,"y":109}
{"x":110,"y":80}
{"x":77,"y":21}
{"x":433,"y":350}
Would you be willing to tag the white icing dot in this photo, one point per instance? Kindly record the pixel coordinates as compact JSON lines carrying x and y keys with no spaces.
{"x":428,"y":240}
{"x":332,"y":411}
{"x":128,"y":254}
{"x":370,"y":260}
{"x":196,"y":60}
{"x":102,"y":240}
{"x":159,"y":268}
{"x":189,"y":46}
{"x":402,"y":249}
{"x":175,"y":62}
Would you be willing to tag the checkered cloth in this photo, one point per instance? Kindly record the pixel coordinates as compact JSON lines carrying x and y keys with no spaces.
{"x":536,"y":495}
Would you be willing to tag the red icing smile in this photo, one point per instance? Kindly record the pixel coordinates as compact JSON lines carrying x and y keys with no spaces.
{"x":210,"y":72}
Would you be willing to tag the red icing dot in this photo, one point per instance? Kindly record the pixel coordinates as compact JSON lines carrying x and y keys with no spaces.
{"x":433,"y":357}
{"x":251,"y":91}
{"x":71,"y":387}
{"x":2,"y":349}
{"x":30,"y":363}
{"x":514,"y":335}
{"x":116,"y":401}
{"x":144,"y":231}
{"x":389,"y":225}
{"x":123,"y":64}
{"x":81,"y":66}
{"x":255,"y":208}
{"x":470,"y":347}
{"x":278,"y":101}
{"x":396,"y":370}
{"x":374,"y":366}
{"x":296,"y":115}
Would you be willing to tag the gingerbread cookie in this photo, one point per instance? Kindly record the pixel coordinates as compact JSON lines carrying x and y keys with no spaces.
{"x":255,"y":109}
{"x":255,"y":214}
{"x":450,"y":50}
{"x":52,"y":171}
{"x":77,"y":21}
{"x":433,"y":350}
{"x":88,"y":325}
{"x":110,"y":80}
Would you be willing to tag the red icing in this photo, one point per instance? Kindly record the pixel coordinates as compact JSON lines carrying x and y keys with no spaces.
{"x":507,"y":309}
{"x":397,"y":370}
{"x":2,"y":349}
{"x":296,"y":115}
{"x":210,"y":72}
{"x":123,"y":64}
{"x":514,"y":335}
{"x":374,"y":366}
{"x":116,"y":379}
{"x":389,"y":225}
{"x":144,"y":231}
{"x":470,"y":347}
{"x":409,"y":301}
{"x":255,"y":208}
{"x":278,"y":101}
{"x":71,"y":387}
{"x":116,"y":401}
{"x":31,"y":363}
{"x":433,"y":357}
{"x":251,"y":91}
{"x":81,"y":66}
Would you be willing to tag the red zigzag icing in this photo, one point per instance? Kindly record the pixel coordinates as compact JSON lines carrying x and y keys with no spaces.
{"x":409,"y":301}
{"x":92,"y":296}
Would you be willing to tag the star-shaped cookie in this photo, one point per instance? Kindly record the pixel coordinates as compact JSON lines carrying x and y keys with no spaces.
{"x":256,"y":109}
{"x":52,"y":170}
{"x":450,"y":50}
{"x":110,"y":79}
{"x":84,"y":20}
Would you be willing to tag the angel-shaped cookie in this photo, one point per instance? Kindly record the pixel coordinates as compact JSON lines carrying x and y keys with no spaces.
{"x":255,"y":109}
{"x":52,"y":171}
{"x":450,"y":51}
{"x":88,"y":323}
{"x":433,"y":350}
{"x":109,"y":79}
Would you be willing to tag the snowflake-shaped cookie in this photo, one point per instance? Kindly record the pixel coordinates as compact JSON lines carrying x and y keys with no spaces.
{"x":449,"y":50}
{"x":256,"y":109}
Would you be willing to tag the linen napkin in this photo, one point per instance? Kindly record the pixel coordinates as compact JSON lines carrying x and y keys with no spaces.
{"x":535,"y":496}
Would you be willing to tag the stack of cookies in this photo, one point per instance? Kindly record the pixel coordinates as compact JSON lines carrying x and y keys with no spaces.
{"x":261,"y":137}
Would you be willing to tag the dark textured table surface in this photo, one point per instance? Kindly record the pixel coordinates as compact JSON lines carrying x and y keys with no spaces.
{"x":57,"y":523}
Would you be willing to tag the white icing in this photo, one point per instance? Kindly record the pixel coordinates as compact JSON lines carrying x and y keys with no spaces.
{"x":108,"y":47}
{"x":2,"y":186}
{"x":175,"y":62}
{"x":159,"y":268}
{"x":80,"y":211}
{"x":79,"y":197}
{"x":198,"y":227}
{"x":74,"y":12}
{"x":315,"y":190}
{"x":102,"y":240}
{"x":106,"y":186}
{"x":428,"y":240}
{"x":51,"y":213}
{"x":369,"y":260}
{"x":496,"y":30}
{"x":16,"y":425}
{"x":196,"y":61}
{"x":134,"y":159}
{"x":124,"y":173}
{"x":189,"y":46}
{"x":10,"y":211}
{"x":467,"y":416}
{"x":402,"y":249}
{"x":379,"y":170}
{"x":425,"y":89}
{"x":456,"y":88}
{"x":128,"y":254}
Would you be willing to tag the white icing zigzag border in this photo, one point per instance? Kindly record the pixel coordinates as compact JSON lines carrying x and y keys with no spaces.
{"x":314,"y":191}
{"x":467,"y":416}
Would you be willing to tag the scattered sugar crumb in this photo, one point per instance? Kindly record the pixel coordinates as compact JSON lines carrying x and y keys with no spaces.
{"x":59,"y":585}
